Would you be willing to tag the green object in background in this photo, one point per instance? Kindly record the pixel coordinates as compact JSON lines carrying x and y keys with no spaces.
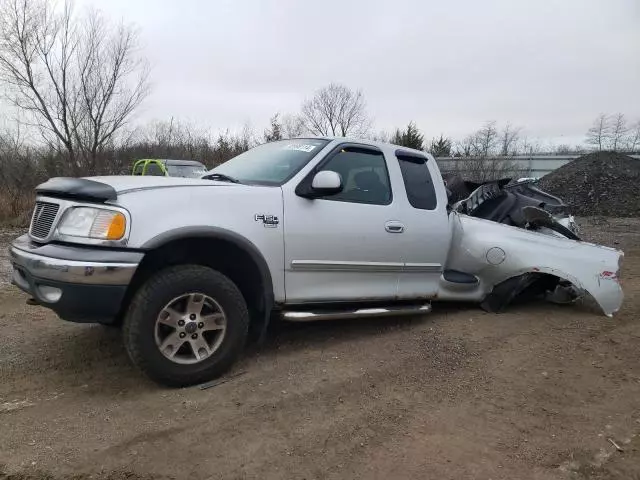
{"x":168,"y":168}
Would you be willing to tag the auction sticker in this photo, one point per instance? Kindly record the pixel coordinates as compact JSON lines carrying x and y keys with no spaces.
{"x":300,"y":148}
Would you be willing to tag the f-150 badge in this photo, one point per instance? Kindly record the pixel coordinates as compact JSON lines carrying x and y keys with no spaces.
{"x":269,"y":221}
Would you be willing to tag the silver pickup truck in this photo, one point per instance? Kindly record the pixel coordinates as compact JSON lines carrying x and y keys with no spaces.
{"x":306,"y":229}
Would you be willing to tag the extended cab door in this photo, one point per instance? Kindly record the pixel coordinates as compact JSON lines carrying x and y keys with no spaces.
{"x":423,"y":210}
{"x":344,"y":247}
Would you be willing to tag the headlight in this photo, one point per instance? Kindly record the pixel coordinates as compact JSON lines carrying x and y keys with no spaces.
{"x":96,"y":223}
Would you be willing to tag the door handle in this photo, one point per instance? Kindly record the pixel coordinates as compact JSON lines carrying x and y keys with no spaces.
{"x":394,"y":227}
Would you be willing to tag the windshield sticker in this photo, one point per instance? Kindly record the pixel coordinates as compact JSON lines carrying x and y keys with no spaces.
{"x":300,"y":148}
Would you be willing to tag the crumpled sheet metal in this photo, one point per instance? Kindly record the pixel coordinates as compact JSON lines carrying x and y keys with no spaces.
{"x":591,"y":268}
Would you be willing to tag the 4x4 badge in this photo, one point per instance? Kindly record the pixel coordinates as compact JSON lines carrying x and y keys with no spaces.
{"x":269,"y":221}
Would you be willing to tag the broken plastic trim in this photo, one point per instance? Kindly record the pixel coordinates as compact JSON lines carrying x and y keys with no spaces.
{"x":538,"y":217}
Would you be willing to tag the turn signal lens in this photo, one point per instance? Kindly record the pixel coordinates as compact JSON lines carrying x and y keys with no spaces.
{"x":108,"y":225}
{"x":117,"y":227}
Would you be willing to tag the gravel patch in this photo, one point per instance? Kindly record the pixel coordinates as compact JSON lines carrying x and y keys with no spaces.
{"x":602,"y":183}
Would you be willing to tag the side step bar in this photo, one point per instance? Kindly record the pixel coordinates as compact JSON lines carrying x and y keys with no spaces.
{"x":334,"y":314}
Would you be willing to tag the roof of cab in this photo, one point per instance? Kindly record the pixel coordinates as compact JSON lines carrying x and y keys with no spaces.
{"x":373,"y":143}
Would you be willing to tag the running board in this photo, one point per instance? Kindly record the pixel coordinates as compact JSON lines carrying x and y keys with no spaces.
{"x":335,"y":314}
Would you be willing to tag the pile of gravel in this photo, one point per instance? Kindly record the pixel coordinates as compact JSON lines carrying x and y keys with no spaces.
{"x":601,"y":183}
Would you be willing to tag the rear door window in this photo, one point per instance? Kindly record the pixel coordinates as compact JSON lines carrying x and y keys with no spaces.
{"x":417,"y":181}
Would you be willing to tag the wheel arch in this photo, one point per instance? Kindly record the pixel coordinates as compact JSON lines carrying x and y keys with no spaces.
{"x":221,"y":249}
{"x":511,"y":287}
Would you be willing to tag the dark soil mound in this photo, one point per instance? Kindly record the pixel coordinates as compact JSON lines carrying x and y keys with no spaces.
{"x":603,"y":183}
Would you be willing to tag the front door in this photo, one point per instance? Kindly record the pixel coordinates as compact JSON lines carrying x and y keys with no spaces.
{"x":344,"y":247}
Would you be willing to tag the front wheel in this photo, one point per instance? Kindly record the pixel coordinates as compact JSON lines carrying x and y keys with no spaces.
{"x":186,"y":325}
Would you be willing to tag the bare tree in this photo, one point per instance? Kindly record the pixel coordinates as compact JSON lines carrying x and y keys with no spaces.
{"x":529,"y":146}
{"x":174,"y":139}
{"x":381,"y":136}
{"x":599,"y":132}
{"x":274,"y":131}
{"x":336,"y":110}
{"x":292,"y":126}
{"x":509,"y":140}
{"x":19,"y":173}
{"x":619,"y":132}
{"x":485,"y":140}
{"x":479,"y":153}
{"x":633,"y":141}
{"x":481,"y":169}
{"x":229,"y":145}
{"x":464,"y":148}
{"x":78,"y":79}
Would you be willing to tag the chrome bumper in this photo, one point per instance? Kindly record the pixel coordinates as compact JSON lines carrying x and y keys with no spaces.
{"x":80,"y":284}
{"x":72,"y":265}
{"x":68,"y":271}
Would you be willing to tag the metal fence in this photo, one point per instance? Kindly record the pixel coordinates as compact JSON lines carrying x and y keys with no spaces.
{"x":530,"y":165}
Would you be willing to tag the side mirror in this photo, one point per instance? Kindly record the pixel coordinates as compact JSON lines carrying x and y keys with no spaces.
{"x":326,"y":182}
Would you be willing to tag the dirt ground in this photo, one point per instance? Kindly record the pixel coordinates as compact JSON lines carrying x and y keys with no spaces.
{"x":540,"y":392}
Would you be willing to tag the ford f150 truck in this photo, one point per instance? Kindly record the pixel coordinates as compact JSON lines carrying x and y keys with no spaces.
{"x":310,"y":228}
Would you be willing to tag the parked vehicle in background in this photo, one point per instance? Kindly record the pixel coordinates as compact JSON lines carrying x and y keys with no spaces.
{"x":308,"y":229}
{"x":168,"y":168}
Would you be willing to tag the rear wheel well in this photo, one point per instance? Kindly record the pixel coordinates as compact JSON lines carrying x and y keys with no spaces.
{"x":222,"y":255}
{"x":520,"y":289}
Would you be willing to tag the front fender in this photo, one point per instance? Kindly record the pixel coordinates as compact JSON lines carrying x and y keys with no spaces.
{"x":233,"y":210}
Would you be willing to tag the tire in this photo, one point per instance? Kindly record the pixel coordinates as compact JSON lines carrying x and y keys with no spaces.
{"x":110,"y":326}
{"x":143,"y":322}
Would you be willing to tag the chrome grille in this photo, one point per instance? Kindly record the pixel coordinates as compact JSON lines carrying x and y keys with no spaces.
{"x":43,"y":217}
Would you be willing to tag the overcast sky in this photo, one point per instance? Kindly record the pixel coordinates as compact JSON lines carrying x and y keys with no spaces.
{"x":549,"y":66}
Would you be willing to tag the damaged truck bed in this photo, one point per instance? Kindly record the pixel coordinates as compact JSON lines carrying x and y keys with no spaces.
{"x":542,"y":257}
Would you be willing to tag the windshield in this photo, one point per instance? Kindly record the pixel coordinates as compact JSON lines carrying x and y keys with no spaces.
{"x":271,"y":163}
{"x":189,"y":171}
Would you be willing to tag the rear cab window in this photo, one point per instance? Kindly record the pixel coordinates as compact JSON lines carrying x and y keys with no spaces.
{"x":417,"y":180}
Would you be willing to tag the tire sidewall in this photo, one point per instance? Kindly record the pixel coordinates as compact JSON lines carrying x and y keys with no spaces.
{"x":156,"y":294}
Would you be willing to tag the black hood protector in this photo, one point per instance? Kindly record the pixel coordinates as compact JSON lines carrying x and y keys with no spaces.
{"x":77,"y":189}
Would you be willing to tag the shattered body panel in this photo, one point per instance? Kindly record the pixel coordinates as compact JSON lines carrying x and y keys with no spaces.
{"x":495,"y":253}
{"x":504,"y":202}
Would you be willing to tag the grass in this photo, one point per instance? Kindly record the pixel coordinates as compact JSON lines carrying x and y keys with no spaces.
{"x":15,"y":208}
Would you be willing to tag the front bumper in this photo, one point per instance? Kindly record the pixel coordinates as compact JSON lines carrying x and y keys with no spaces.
{"x":80,"y":284}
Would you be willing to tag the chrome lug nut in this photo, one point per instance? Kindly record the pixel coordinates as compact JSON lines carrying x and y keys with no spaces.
{"x":194,"y":336}
{"x":182,"y":335}
{"x":201,"y":324}
{"x":181,"y":323}
{"x":192,"y":316}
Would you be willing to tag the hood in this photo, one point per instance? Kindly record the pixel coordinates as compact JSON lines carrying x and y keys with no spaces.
{"x":102,"y":189}
{"x":127,"y":183}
